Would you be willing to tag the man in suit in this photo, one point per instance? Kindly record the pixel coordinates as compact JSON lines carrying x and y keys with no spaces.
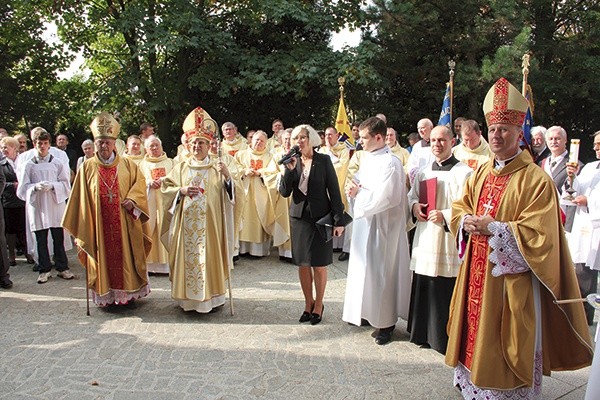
{"x":555,"y":164}
{"x":538,"y":144}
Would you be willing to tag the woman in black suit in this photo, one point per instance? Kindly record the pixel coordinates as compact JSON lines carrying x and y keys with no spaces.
{"x":311,"y":180}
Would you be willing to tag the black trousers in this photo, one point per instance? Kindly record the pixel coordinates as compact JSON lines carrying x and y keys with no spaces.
{"x":588,"y":284}
{"x":60,"y":256}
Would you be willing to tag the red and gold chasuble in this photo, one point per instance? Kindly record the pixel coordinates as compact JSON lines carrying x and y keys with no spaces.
{"x":487,"y":204}
{"x":110,"y":205}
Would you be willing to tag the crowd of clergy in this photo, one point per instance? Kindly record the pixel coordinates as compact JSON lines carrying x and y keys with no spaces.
{"x":132,"y":212}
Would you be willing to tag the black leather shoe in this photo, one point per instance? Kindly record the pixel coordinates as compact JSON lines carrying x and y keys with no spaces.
{"x":6,"y":284}
{"x":364,"y":322}
{"x":316,"y":318}
{"x":384,"y":335}
{"x":343,"y":256}
{"x":305,"y":317}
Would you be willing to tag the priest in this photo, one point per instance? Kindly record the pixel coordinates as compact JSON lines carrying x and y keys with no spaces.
{"x":473,"y":149}
{"x":434,"y":257}
{"x":155,"y":166}
{"x":199,"y":196}
{"x":105,"y":213}
{"x":505,"y":329}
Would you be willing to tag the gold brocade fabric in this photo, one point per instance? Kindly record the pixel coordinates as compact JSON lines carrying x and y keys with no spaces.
{"x":83,"y":217}
{"x":194,"y":232}
{"x":504,"y":347}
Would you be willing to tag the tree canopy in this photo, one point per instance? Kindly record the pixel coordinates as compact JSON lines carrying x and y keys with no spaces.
{"x":251,"y":61}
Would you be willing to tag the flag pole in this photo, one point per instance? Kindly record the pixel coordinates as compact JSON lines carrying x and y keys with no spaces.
{"x":451,"y":66}
{"x":525,"y":65}
{"x":524,"y":92}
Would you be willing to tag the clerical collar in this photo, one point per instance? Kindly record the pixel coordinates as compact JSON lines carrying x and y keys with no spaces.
{"x":499,"y":164}
{"x":425,"y":143}
{"x":109,"y":161}
{"x":445,"y":165}
{"x":38,"y":159}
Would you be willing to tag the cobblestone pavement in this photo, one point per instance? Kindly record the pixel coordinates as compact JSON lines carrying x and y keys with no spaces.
{"x":50,"y":349}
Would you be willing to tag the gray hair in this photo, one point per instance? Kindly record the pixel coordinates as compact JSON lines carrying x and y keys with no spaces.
{"x":538,"y":129}
{"x":559,"y":129}
{"x":151,"y":138}
{"x":314,"y":139}
{"x":87,"y":142}
{"x":228,"y":125}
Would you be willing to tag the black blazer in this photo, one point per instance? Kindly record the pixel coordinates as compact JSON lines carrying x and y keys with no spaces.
{"x":323,"y":194}
{"x":9,"y":197}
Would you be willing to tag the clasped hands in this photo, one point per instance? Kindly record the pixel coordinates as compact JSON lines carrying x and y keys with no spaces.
{"x":478,"y":224}
{"x":352,"y":188}
{"x":44,"y":186}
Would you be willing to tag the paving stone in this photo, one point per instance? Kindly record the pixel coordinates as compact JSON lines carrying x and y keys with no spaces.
{"x":50,"y":349}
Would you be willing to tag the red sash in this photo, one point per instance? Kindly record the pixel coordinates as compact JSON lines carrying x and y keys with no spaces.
{"x":491,"y":195}
{"x":110,"y":208}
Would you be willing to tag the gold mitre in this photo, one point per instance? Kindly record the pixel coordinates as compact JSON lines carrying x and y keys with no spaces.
{"x":105,"y":126}
{"x":198,"y":123}
{"x":504,"y":104}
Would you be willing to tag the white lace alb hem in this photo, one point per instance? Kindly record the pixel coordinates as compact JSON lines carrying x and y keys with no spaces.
{"x":462,"y":380}
{"x":116,"y":296}
{"x":505,"y":254}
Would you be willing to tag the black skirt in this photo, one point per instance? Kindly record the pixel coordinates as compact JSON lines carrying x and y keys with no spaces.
{"x":309,"y":249}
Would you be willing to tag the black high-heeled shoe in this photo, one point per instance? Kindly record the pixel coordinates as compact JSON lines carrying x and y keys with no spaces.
{"x":306,"y":316}
{"x":316,"y":318}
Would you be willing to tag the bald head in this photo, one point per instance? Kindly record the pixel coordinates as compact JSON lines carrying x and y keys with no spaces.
{"x":424,"y":128}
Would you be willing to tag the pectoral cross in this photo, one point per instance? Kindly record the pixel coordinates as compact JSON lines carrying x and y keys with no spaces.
{"x":110,"y":196}
{"x":488,"y":207}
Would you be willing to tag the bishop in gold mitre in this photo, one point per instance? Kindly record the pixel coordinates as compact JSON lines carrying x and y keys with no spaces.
{"x":505,"y":331}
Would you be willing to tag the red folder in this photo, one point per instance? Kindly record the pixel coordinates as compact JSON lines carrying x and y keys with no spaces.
{"x":427,"y":189}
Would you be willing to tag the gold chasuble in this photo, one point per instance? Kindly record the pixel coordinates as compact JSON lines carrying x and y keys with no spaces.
{"x":235,"y":221}
{"x":194,"y":232}
{"x":112,"y":243}
{"x":155,"y":168}
{"x":232,"y":147}
{"x":135,"y":159}
{"x":265,"y":212}
{"x":340,"y":157}
{"x":401,"y":153}
{"x":495,"y":339}
{"x":473,"y":158}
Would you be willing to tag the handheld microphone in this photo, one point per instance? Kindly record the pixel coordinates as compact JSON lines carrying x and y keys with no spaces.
{"x":294,"y":151}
